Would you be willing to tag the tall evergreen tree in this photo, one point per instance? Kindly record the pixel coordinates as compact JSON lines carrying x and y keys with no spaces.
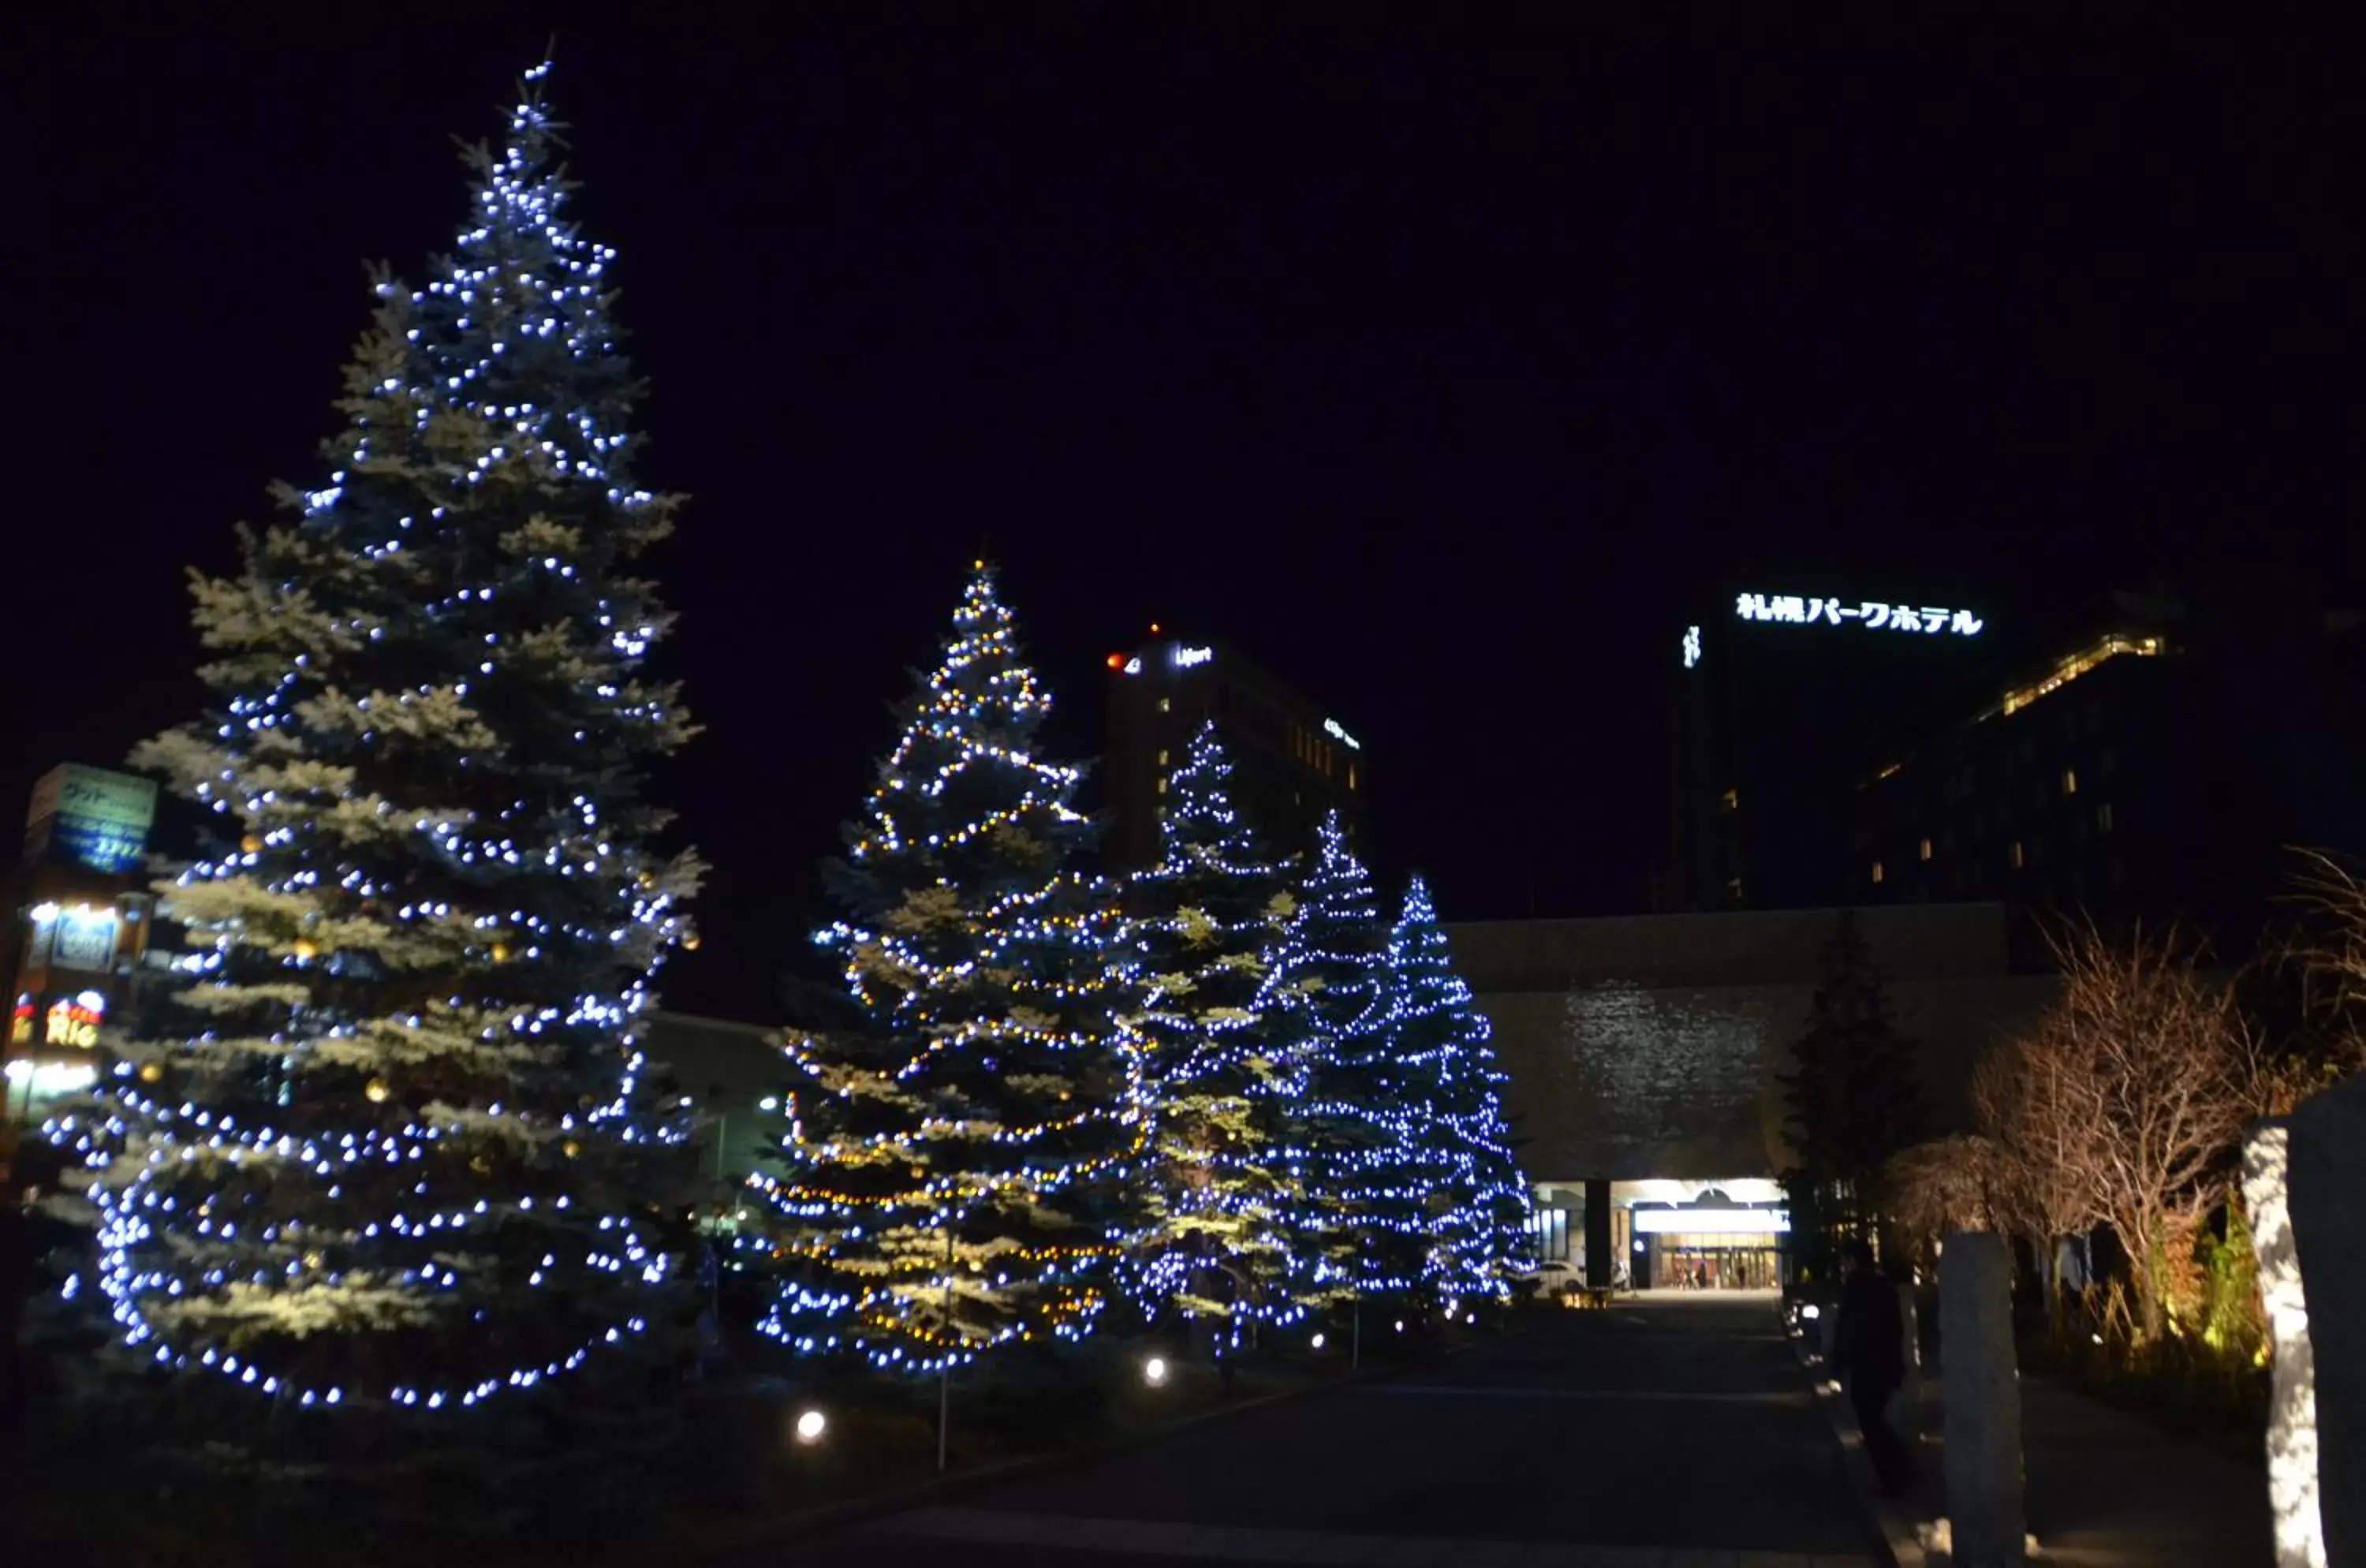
{"x":1480,"y":1212}
{"x":1359,"y":1124}
{"x":392,"y":1143}
{"x":959,"y":1172}
{"x":1202,"y":925}
{"x":1851,"y":1101}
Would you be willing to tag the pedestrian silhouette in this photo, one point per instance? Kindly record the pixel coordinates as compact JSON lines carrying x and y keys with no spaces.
{"x":1869,"y":1351}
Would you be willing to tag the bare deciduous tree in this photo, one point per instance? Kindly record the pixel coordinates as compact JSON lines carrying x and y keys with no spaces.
{"x":2127,"y":1100}
{"x":2332,"y":959}
{"x":1949,"y":1184}
{"x":2032,"y":1113}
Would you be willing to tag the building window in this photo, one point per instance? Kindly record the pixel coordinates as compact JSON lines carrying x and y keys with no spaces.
{"x":1877,"y":873}
{"x":1351,"y":775}
{"x":2016,"y":856}
{"x":1730,"y":801}
{"x":1165,"y":705}
{"x":2103,"y":818}
{"x":1926,"y":849}
{"x":1162,"y":786}
{"x":2069,"y":781}
{"x":1162,"y":756}
{"x":1551,"y":1228}
{"x":1733,"y":888}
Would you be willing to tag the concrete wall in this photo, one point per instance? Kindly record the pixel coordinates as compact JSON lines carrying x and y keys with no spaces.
{"x":1650,"y":1045}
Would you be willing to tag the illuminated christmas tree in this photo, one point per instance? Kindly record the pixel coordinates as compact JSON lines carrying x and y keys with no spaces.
{"x":1357,"y":1122}
{"x":1480,"y":1212}
{"x":959,"y":1171}
{"x":1224,"y":1065}
{"x":392,"y":1143}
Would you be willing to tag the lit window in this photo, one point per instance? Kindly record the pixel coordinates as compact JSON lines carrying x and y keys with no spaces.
{"x":1351,"y":775}
{"x":1733,"y":888}
{"x":2069,"y":781}
{"x":1165,"y":705}
{"x":2103,"y":818}
{"x":2019,"y":859}
{"x":1925,"y":850}
{"x":1730,"y":800}
{"x":1162,"y":756}
{"x":1162,"y":786}
{"x":1877,"y":873}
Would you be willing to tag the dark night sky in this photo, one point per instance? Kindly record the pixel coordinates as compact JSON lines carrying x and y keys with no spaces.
{"x":1434,"y":366}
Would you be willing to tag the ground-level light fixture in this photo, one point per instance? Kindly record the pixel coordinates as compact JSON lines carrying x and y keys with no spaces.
{"x":1400,"y":1325}
{"x":811,"y":1424}
{"x":1153,"y":1371}
{"x":1317,"y":1342}
{"x":1812,"y":1311}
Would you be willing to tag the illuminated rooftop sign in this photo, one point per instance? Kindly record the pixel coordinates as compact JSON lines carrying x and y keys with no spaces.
{"x":1338,"y":731}
{"x":1790,"y":609}
{"x":1692,"y":646}
{"x":1187,"y":657}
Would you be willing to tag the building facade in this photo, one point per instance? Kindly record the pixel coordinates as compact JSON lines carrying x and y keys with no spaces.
{"x":1643,"y":1054}
{"x":82,"y":916}
{"x":1292,"y":759}
{"x":1772,"y":698}
{"x":2153,"y":758}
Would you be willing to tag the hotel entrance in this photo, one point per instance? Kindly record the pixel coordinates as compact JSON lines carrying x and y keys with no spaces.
{"x":1691,"y":1262}
{"x":1708,"y":1236}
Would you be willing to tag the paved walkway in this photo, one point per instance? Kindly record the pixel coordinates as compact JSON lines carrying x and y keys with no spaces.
{"x":2104,"y":1489}
{"x":1662,"y":1434}
{"x":2107,"y":1490}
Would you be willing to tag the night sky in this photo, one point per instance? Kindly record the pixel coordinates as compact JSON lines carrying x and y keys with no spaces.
{"x":1435,"y":367}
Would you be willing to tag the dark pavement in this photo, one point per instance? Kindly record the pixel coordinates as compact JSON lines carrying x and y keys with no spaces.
{"x":1664,"y":1434}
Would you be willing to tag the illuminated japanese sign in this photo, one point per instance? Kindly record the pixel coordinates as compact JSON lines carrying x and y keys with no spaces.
{"x":1790,"y":609}
{"x":1692,"y":646}
{"x":1338,"y":731}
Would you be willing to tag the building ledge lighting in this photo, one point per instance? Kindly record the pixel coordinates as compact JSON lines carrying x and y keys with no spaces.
{"x":2070,"y":669}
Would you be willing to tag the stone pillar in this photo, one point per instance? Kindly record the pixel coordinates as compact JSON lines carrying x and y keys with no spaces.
{"x":2292,"y":1415}
{"x":1981,"y":1388}
{"x":1910,"y":1391}
{"x":2327,"y":1146}
{"x":1598,"y":1242}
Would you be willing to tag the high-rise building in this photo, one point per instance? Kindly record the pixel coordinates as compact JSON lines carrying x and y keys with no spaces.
{"x":1292,"y":759}
{"x":2152,"y":758}
{"x":84,"y":913}
{"x":1774,"y":698}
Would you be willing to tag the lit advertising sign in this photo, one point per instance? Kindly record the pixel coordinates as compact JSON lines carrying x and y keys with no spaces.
{"x":1185,"y":658}
{"x":75,"y":936}
{"x":90,"y":815}
{"x":1794,"y":610}
{"x":1338,"y":731}
{"x":74,"y":1021}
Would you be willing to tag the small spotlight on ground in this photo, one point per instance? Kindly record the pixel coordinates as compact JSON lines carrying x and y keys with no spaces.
{"x":1400,"y":1325}
{"x":1153,"y":1371}
{"x":1317,"y":1342}
{"x":811,"y":1424}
